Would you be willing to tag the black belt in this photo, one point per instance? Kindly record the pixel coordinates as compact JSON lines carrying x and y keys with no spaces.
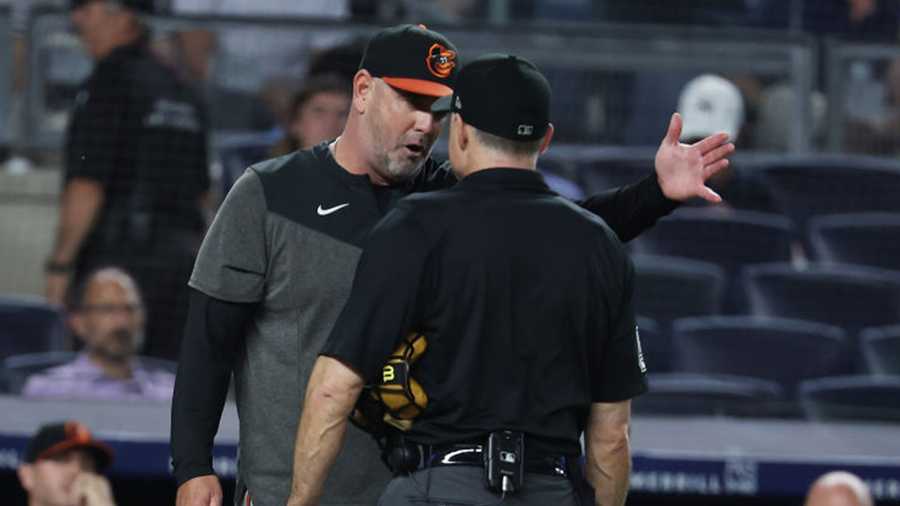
{"x":471,"y":455}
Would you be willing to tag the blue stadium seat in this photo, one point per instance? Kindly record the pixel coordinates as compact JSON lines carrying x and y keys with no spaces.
{"x":17,"y":368}
{"x":825,"y":184}
{"x":774,"y":349}
{"x":668,"y":288}
{"x":881,"y":349}
{"x":237,"y":151}
{"x":695,"y":394}
{"x":656,"y":345}
{"x":871,"y":239}
{"x":728,"y":238}
{"x":872,"y":398}
{"x":617,"y":168}
{"x":29,"y":324}
{"x":849,"y":297}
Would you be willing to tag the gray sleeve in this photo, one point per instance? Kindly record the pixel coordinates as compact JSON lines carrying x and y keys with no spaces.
{"x":233,"y":261}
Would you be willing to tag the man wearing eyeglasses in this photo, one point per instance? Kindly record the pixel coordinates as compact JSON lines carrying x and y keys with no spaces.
{"x":108,"y":317}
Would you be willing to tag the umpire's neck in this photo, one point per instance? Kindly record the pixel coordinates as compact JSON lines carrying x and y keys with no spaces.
{"x":472,"y":150}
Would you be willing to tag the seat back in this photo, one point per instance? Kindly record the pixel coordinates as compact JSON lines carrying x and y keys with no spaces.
{"x":774,"y":349}
{"x":871,"y":239}
{"x":28,"y":325}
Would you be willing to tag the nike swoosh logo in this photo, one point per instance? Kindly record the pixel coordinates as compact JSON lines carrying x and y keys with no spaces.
{"x":326,"y":212}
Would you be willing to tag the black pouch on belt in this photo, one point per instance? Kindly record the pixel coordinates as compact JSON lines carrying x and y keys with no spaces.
{"x":504,"y":461}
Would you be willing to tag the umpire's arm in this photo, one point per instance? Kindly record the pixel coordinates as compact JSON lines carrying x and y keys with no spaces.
{"x":608,"y":462}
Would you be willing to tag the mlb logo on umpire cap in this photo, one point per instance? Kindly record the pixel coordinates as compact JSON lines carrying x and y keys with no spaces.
{"x":505,"y":96}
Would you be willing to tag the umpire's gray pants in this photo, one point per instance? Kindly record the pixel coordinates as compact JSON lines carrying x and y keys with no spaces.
{"x":465,"y":486}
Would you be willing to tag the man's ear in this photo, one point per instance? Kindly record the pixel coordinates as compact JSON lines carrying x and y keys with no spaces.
{"x":545,"y":144}
{"x":26,"y":476}
{"x":463,"y":136}
{"x":77,"y":324}
{"x":363,"y":87}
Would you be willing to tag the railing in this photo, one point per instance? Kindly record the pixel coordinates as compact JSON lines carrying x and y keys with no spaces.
{"x":595,"y":68}
{"x":5,"y":76}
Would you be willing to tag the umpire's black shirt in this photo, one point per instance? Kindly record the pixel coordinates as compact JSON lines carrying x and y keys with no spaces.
{"x":526,"y":301}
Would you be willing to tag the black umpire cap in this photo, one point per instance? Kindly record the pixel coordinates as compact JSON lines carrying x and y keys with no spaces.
{"x":501,"y":94}
{"x":57,"y":438}
{"x":412,"y":58}
{"x":142,"y":6}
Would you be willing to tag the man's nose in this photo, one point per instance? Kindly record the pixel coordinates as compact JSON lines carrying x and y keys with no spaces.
{"x":425,"y":121}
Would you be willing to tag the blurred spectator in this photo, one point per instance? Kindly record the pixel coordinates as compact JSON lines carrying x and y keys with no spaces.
{"x":318,"y":113}
{"x":235,"y":63}
{"x":61,"y":467}
{"x":341,"y":61}
{"x":108,"y":317}
{"x":839,"y":488}
{"x":859,"y":20}
{"x":710,"y":104}
{"x":446,"y":12}
{"x":136,"y":174}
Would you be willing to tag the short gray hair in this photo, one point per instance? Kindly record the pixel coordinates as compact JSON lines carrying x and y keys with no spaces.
{"x":508,"y":146}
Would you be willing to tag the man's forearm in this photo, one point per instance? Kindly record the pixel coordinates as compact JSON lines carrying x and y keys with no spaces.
{"x":330,"y":396}
{"x":608,"y":471}
{"x":80,"y":204}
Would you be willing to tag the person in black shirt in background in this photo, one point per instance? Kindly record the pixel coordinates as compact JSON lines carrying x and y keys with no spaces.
{"x":525,"y":300}
{"x":136,"y":171}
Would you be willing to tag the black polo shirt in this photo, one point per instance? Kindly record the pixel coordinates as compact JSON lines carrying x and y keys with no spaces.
{"x":140,"y":133}
{"x":526,"y":301}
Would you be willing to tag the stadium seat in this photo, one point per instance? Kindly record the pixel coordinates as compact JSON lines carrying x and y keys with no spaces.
{"x":656,"y":345}
{"x":803,"y":187}
{"x":17,"y":368}
{"x":237,"y":151}
{"x":668,"y":288}
{"x":704,"y":395}
{"x":871,"y":239}
{"x":774,"y":349}
{"x":728,"y":238}
{"x":881,"y":349}
{"x":29,"y":324}
{"x":617,"y":168}
{"x":872,"y":398}
{"x":849,"y":297}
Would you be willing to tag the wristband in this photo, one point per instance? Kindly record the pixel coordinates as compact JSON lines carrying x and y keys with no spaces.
{"x":54,"y":267}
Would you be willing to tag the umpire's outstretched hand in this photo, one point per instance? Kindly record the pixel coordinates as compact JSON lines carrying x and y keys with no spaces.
{"x":683,"y":169}
{"x":200,"y":491}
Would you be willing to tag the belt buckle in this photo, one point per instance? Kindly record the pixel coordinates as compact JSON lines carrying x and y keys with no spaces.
{"x":453,"y":456}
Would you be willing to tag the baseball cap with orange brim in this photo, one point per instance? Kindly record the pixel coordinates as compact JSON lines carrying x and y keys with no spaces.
{"x":57,"y":438}
{"x":412,"y":58}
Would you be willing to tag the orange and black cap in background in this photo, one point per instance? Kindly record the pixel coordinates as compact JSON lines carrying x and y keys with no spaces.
{"x":412,"y":58}
{"x":503,"y":95}
{"x":57,"y":438}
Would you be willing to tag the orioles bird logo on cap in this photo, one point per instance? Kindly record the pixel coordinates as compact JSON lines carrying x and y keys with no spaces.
{"x":440,"y":61}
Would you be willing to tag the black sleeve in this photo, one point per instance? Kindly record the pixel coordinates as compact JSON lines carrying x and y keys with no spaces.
{"x":213,"y":335}
{"x":631,"y":209}
{"x":383,"y":304}
{"x":98,"y":121}
{"x":619,"y":373}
